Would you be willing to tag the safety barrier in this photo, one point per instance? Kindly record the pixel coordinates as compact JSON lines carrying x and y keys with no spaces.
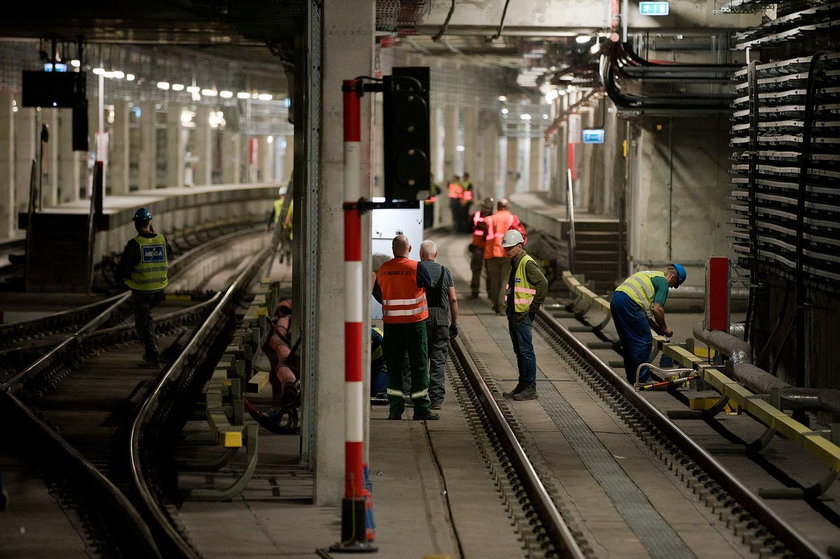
{"x":231,"y":428}
{"x":821,"y":445}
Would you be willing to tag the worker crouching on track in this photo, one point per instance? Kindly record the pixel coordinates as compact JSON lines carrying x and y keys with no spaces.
{"x":526,"y":291}
{"x":144,"y":268}
{"x":638,"y":305}
{"x":399,"y":288}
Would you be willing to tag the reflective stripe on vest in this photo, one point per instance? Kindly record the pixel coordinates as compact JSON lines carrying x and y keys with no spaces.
{"x":151,"y":273}
{"x":639,"y":287}
{"x":523,"y":292}
{"x":402,"y":301}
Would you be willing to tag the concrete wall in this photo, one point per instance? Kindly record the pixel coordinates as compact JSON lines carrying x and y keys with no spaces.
{"x":678,"y":194}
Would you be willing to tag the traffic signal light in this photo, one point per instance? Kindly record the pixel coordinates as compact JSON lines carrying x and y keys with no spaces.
{"x":406,"y":134}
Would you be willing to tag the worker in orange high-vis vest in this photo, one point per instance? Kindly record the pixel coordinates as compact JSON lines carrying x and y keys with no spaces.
{"x":495,"y":259}
{"x":400,"y":289}
{"x":476,"y":247}
{"x":456,"y":194}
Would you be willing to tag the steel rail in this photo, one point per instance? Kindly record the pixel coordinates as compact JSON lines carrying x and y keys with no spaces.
{"x":126,"y":524}
{"x":783,"y":531}
{"x":169,"y":539}
{"x":557,"y":529}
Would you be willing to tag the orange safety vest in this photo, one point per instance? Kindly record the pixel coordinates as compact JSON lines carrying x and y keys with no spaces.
{"x":479,"y":227}
{"x":456,"y":190}
{"x":468,"y":192}
{"x":497,"y":225}
{"x":402,"y":301}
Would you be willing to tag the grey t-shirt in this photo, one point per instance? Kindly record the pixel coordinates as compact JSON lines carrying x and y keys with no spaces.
{"x":438,"y":309}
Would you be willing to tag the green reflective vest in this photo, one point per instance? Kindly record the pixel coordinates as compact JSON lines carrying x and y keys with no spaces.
{"x":151,"y":273}
{"x":523,"y":292}
{"x":639,"y":287}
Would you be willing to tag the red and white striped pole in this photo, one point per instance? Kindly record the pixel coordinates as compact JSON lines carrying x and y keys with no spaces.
{"x":353,"y":504}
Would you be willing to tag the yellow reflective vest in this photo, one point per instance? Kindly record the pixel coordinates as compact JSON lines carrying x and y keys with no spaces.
{"x":523,"y":292}
{"x":639,"y":287}
{"x":151,"y":273}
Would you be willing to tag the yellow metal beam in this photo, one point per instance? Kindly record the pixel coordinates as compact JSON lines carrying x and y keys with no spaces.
{"x":812,"y":442}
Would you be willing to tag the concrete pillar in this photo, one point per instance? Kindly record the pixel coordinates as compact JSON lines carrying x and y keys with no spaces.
{"x":288,"y":159}
{"x":175,"y":146}
{"x":231,"y":156}
{"x":535,"y":171}
{"x":489,"y":153}
{"x":347,"y":51}
{"x":471,"y":148}
{"x":69,"y":163}
{"x":266,"y":159}
{"x":450,"y":142}
{"x":26,"y":144}
{"x":511,"y":165}
{"x":203,"y":146}
{"x":119,"y":150}
{"x":49,"y":165}
{"x":147,"y":166}
{"x":8,"y":222}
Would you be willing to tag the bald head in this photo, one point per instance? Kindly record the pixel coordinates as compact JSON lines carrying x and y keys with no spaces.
{"x":400,"y":245}
{"x":428,"y":250}
{"x":502,"y":204}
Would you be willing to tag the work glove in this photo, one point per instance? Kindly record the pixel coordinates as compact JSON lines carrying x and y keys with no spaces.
{"x":453,"y":331}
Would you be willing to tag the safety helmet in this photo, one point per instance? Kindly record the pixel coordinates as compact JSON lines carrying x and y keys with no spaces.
{"x":142,"y":215}
{"x":512,"y":238}
{"x":282,"y":191}
{"x":488,"y":203}
{"x":681,"y":275}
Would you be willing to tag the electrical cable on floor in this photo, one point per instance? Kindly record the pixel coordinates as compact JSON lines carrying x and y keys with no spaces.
{"x":445,"y":489}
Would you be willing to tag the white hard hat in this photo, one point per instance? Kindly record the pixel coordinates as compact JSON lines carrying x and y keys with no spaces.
{"x":282,"y":191}
{"x":512,"y":238}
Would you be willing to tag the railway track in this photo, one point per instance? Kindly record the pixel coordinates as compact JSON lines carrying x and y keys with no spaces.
{"x":106,"y":431}
{"x":544,"y":519}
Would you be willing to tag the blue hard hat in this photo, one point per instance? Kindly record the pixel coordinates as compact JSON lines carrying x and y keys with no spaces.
{"x":142,"y":215}
{"x":681,"y":275}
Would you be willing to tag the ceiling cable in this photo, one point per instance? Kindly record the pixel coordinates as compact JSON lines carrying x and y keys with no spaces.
{"x":501,"y":23}
{"x":443,"y":27}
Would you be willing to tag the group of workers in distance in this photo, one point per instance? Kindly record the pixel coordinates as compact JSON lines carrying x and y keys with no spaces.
{"x":420,"y":306}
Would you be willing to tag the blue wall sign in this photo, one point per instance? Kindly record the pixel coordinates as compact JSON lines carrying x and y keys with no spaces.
{"x":593,"y":136}
{"x":653,"y":8}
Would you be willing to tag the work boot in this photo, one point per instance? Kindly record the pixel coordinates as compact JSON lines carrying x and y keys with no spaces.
{"x":428,"y":416}
{"x":519,"y":387}
{"x":394,"y":416}
{"x":527,"y":393}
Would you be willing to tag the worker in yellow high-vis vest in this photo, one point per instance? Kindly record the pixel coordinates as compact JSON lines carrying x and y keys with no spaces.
{"x":638,"y":305}
{"x":144,"y":268}
{"x":526,"y":291}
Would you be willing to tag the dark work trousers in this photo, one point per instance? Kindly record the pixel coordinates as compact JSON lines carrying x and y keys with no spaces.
{"x":399,"y":339}
{"x":476,"y":266}
{"x":526,"y":359}
{"x":143,"y":301}
{"x":437,"y":332}
{"x":498,"y":270}
{"x":633,"y":328}
{"x":455,"y":208}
